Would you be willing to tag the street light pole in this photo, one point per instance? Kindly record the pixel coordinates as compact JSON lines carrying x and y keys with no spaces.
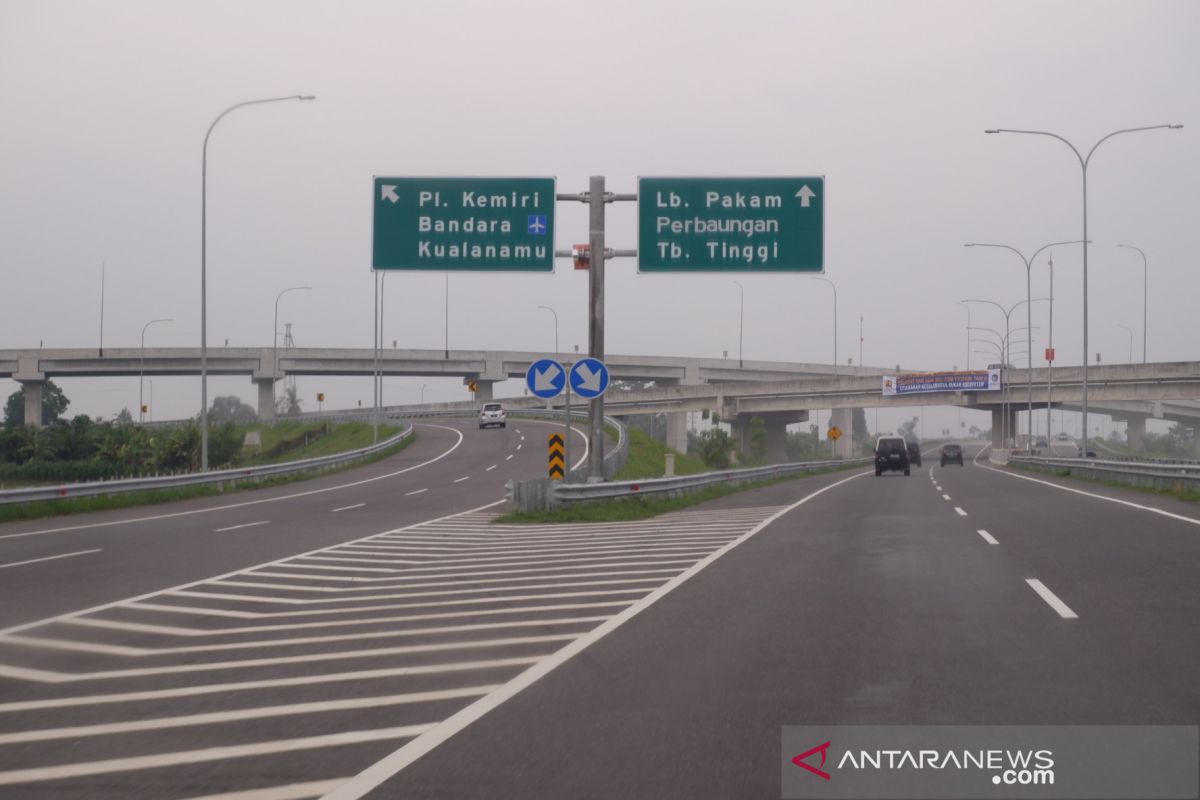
{"x":835,"y":304}
{"x":204,"y":266}
{"x":1083,"y":164}
{"x":1004,"y":361}
{"x":275,"y":340}
{"x":860,"y":340}
{"x":741,"y":312}
{"x":968,"y":308}
{"x":1145,"y":294}
{"x":142,"y":366}
{"x":1128,"y":330}
{"x":1028,"y":311}
{"x":555,"y":313}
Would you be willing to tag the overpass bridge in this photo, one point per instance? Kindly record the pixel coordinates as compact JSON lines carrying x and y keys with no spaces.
{"x":781,"y":393}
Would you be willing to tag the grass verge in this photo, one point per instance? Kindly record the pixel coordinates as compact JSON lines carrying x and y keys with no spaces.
{"x":636,"y":508}
{"x":1186,"y":495}
{"x":647,"y":459}
{"x":82,"y":505}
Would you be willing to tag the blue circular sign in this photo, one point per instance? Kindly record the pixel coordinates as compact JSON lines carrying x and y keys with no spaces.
{"x":589,"y":378}
{"x":546,"y":378}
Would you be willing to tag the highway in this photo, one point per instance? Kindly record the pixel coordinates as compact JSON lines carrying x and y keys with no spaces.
{"x":407,"y":649}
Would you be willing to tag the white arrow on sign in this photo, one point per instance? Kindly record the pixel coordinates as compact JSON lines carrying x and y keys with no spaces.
{"x":805,"y":194}
{"x":588,"y":380}
{"x":544,"y":381}
{"x":389,"y":193}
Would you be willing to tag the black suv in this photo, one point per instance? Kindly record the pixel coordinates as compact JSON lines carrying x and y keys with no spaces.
{"x":891,"y":453}
{"x":952,"y":453}
{"x":914,"y":452}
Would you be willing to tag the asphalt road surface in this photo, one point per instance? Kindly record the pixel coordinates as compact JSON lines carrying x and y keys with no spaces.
{"x":429,"y":653}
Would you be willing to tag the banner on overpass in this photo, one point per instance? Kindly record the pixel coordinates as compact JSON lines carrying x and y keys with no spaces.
{"x":981,"y":380}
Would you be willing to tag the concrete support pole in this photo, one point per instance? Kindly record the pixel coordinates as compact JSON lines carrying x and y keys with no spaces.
{"x":843,"y":418}
{"x":1135,"y":432}
{"x":677,"y":438}
{"x":997,"y":428}
{"x":483,"y":390}
{"x":33,"y":402}
{"x":776,"y":427}
{"x":266,"y":398}
{"x":1196,"y":441}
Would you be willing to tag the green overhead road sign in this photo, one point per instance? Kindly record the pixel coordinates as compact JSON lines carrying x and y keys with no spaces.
{"x":458,"y":224}
{"x":731,"y":224}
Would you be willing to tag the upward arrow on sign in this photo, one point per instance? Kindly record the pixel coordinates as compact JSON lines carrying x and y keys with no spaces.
{"x":805,"y":194}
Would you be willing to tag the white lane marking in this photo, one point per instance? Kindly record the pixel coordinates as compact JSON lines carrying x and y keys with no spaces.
{"x":518,"y":430}
{"x":463,"y":478}
{"x":987,"y":537}
{"x":54,"y":676}
{"x":49,"y":558}
{"x":945,"y":497}
{"x":519,"y":447}
{"x":243,"y":525}
{"x":247,"y":502}
{"x":221,"y":717}
{"x":292,"y":791}
{"x":959,"y":510}
{"x":375,"y":775}
{"x":112,"y":765}
{"x":139,"y":652}
{"x":418,"y":491}
{"x":347,"y":508}
{"x":275,"y":563}
{"x":271,"y":683}
{"x":492,"y":467}
{"x":1118,"y":501}
{"x":508,"y":457}
{"x":1051,"y":599}
{"x":979,"y":455}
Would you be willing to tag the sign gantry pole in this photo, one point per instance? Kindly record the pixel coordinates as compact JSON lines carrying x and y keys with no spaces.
{"x":596,"y":202}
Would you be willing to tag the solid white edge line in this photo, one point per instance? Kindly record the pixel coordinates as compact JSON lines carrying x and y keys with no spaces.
{"x":275,"y":562}
{"x":292,"y":791}
{"x":243,"y":525}
{"x":390,"y":765}
{"x":248,"y":502}
{"x":1051,"y":599}
{"x":958,"y":510}
{"x":347,"y":508}
{"x":49,"y":558}
{"x":1118,"y":501}
{"x":987,"y":537}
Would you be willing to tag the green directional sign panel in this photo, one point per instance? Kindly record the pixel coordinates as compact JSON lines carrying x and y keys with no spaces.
{"x":731,"y":224}
{"x":463,"y":224}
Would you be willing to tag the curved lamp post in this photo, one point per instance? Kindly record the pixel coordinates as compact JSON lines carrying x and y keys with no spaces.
{"x":555,"y":313}
{"x":1145,"y":294}
{"x":835,"y":304}
{"x":275,"y":340}
{"x":142,"y":366}
{"x":1083,"y":164}
{"x":204,"y":266}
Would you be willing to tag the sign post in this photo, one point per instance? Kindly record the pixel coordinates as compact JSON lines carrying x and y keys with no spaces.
{"x":731,"y":224}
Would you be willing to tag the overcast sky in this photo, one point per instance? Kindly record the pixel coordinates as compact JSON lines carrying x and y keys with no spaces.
{"x":105,"y":106}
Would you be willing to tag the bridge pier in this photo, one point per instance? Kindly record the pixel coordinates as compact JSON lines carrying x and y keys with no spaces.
{"x":32,"y":390}
{"x":266,"y":398}
{"x":843,"y":419}
{"x":998,"y":426}
{"x":1135,"y":431}
{"x":775,"y":426}
{"x":677,"y":438}
{"x":483,"y":389}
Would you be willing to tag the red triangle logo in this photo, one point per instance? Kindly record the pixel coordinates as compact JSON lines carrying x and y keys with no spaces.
{"x":799,"y":760}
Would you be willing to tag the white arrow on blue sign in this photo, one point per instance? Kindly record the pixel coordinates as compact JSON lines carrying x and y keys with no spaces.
{"x":589,"y":378}
{"x":546,"y":378}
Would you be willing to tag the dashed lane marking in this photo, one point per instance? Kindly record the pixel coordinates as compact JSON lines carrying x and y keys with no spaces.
{"x":958,"y":510}
{"x":987,"y":537}
{"x":1051,"y":599}
{"x":49,"y":558}
{"x":243,"y":525}
{"x":348,"y":508}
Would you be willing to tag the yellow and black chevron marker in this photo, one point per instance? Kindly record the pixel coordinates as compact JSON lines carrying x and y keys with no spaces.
{"x":557,"y":457}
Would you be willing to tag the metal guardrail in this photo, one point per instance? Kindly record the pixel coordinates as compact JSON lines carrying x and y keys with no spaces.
{"x":93,"y":488}
{"x":561,"y":493}
{"x":1135,"y":473}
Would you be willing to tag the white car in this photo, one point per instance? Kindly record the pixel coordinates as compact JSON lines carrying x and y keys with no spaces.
{"x":492,"y":414}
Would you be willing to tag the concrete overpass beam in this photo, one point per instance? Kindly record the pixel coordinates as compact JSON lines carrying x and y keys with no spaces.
{"x":266,"y":398}
{"x":843,"y":419}
{"x":677,"y":438}
{"x":33,"y":390}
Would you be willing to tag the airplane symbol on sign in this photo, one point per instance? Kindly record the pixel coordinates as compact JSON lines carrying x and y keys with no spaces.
{"x":537,"y":224}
